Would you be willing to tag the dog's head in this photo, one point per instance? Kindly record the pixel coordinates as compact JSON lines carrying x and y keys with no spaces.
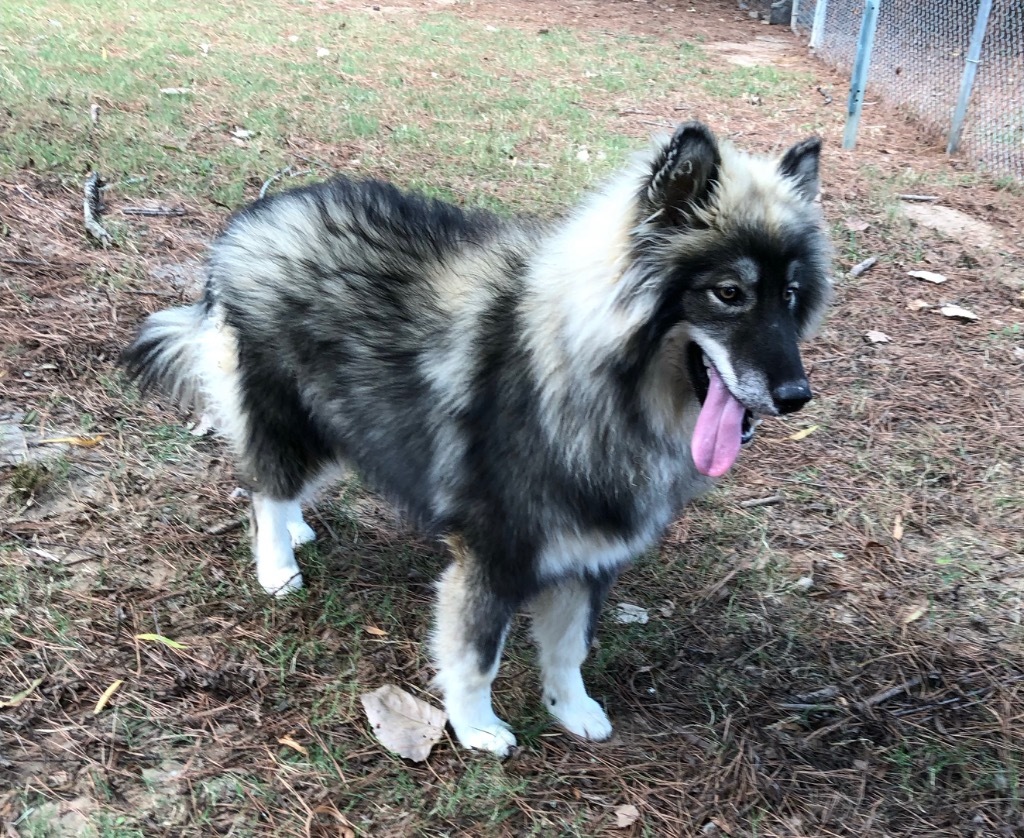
{"x":735,"y":250}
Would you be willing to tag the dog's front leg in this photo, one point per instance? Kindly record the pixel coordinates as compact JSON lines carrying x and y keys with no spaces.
{"x":564,"y":619}
{"x":467,"y":643}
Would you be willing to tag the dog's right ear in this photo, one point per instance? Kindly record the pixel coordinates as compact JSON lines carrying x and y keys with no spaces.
{"x":683,"y":176}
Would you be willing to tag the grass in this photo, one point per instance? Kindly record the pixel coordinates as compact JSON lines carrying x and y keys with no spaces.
{"x":914,"y":641}
{"x":502,"y":100}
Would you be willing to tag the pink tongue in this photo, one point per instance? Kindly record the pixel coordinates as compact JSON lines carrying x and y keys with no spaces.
{"x":718,"y":435}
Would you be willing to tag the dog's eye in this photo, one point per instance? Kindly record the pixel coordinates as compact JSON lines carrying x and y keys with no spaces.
{"x":727,"y":294}
{"x":789,"y":295}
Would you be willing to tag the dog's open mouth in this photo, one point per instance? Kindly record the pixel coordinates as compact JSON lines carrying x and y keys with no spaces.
{"x":724,"y":423}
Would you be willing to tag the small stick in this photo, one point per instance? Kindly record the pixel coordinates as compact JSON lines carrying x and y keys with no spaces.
{"x":225,"y":527}
{"x":145,"y":293}
{"x":818,"y":695}
{"x":175,"y":211}
{"x":864,"y":266}
{"x":892,"y":692}
{"x":919,"y":197}
{"x":809,"y":707}
{"x":276,"y":176}
{"x":91,"y":209}
{"x":771,"y":500}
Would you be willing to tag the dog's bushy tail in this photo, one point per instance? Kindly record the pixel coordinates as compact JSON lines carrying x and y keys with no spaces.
{"x":164,"y":356}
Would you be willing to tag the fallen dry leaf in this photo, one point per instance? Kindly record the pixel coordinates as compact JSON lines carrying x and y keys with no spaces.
{"x":917,"y":305}
{"x":958,"y":313}
{"x":287,"y":741}
{"x":897,"y":528}
{"x":855,"y":225}
{"x":376,"y":632}
{"x":159,"y":638}
{"x":628,"y":613}
{"x":80,"y":441}
{"x":806,"y":432}
{"x":107,"y":693}
{"x":18,"y":699}
{"x":317,"y":816}
{"x":873,"y":336}
{"x":626,"y":815}
{"x":927,"y":276}
{"x":914,"y":612}
{"x":403,"y":723}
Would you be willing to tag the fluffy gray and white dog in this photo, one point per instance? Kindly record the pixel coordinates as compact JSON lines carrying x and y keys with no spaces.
{"x":546,"y":398}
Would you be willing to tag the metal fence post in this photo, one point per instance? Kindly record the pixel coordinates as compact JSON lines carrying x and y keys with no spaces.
{"x":859,"y":81}
{"x":970,"y":70}
{"x":818,"y":27}
{"x":794,"y":15}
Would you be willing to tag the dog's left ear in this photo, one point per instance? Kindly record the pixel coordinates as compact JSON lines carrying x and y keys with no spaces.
{"x":800,"y":164}
{"x":683,"y":175}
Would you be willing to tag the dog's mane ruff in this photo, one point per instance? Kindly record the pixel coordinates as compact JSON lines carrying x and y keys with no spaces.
{"x":580,"y":307}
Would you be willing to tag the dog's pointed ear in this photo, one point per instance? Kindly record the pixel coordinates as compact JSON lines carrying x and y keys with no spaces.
{"x":800,"y":164}
{"x":683,"y":175}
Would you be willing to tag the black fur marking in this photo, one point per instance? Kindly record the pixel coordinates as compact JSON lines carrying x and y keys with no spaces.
{"x":286,"y":448}
{"x":600,"y":585}
{"x":800,"y":163}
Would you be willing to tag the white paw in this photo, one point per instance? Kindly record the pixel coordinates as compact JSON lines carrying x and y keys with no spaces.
{"x":279,"y":579}
{"x":582,"y":716}
{"x":492,"y":736}
{"x":300,"y":532}
{"x":486,"y":734}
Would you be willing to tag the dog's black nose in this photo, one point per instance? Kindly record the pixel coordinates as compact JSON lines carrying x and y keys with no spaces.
{"x":791,"y":396}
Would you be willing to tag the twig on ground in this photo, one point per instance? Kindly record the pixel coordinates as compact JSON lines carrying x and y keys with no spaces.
{"x":276,"y":176}
{"x":861,"y":267}
{"x":919,"y":198}
{"x":892,"y":692}
{"x":771,"y":500}
{"x":91,"y":210}
{"x":809,"y":707}
{"x":223,"y":527}
{"x":156,"y":211}
{"x":823,"y":694}
{"x":144,"y":293}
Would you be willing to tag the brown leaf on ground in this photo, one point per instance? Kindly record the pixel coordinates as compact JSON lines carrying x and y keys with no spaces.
{"x":402,"y":723}
{"x":626,"y":815}
{"x":956,"y":312}
{"x":928,"y":276}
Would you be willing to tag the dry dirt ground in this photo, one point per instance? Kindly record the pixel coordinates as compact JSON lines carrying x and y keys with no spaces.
{"x":835,"y":645}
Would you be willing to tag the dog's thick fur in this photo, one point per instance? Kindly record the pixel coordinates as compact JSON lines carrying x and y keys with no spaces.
{"x":528,"y":392}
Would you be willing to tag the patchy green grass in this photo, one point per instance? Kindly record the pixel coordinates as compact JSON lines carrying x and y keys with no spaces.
{"x":451,"y":105}
{"x":844,"y":659}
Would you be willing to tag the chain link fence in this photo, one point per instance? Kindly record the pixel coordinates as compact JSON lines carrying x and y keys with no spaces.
{"x":918,"y":61}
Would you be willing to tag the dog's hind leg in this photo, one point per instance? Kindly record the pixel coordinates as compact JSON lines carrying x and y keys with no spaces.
{"x":467,"y":643}
{"x":299,"y":531}
{"x":274,"y":537}
{"x":564,"y":620}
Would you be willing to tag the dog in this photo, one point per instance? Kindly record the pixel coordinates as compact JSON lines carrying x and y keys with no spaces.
{"x":546,"y":397}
